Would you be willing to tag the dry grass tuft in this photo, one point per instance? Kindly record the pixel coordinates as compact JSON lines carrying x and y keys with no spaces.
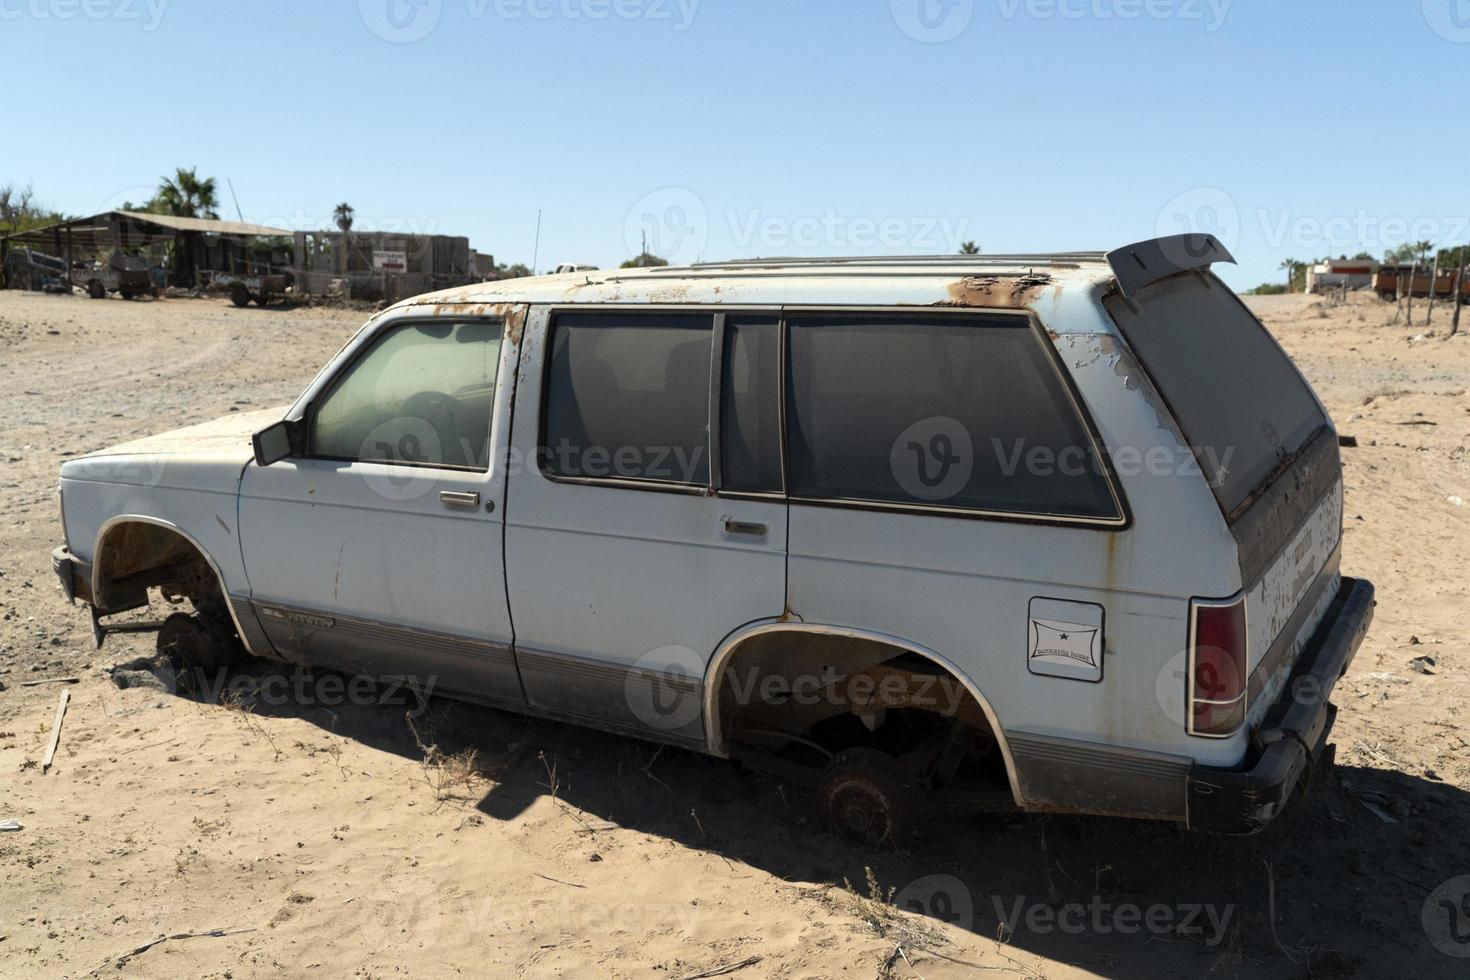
{"x":456,"y":778}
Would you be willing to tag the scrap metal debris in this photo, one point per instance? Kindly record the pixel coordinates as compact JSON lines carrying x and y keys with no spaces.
{"x":51,"y":680}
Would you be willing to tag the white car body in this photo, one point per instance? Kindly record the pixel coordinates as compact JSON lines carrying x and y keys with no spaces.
{"x":624,"y":606}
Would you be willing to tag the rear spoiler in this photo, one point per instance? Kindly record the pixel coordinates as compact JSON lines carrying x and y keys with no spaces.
{"x":1137,"y":266}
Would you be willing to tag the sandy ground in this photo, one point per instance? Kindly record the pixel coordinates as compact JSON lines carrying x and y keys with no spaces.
{"x":309,"y":833}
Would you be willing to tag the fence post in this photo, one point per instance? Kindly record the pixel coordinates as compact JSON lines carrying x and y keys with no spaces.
{"x":1433,"y":288}
{"x":1409,"y":296}
{"x":1459,"y":300}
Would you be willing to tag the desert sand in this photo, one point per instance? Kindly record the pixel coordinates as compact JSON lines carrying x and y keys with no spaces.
{"x":277,"y":835}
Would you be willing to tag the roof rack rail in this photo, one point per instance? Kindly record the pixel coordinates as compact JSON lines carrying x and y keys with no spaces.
{"x":979,"y":261}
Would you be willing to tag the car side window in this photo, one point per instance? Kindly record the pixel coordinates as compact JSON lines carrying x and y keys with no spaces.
{"x":627,"y":398}
{"x":750,"y":410}
{"x":964,"y":412}
{"x":422,"y":394}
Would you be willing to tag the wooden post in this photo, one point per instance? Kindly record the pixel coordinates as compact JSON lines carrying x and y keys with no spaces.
{"x":55,"y":733}
{"x":1433,"y":288}
{"x":1459,"y":300}
{"x":1409,"y":296}
{"x":1398,"y":293}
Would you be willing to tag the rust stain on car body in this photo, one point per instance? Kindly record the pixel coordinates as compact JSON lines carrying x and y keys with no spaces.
{"x":514,"y":315}
{"x":1010,"y":292}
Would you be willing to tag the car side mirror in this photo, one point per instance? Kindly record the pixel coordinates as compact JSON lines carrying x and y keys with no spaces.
{"x":276,"y":442}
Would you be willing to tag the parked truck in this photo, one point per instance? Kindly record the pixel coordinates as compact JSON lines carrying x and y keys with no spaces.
{"x":1388,"y":281}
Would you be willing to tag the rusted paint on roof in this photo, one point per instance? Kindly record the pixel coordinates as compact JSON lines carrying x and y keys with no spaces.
{"x":513,"y":314}
{"x":986,"y":282}
{"x":1010,"y":292}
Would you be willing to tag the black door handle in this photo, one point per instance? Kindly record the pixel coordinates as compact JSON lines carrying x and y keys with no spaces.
{"x":733,"y":526}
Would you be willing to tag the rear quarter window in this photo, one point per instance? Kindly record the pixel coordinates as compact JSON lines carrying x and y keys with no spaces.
{"x":955,"y":411}
{"x":1240,"y":402}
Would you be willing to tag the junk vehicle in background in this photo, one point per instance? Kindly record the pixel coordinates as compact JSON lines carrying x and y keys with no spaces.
{"x":126,"y":275}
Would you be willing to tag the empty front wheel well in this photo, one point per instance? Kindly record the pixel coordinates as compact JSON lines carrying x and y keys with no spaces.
{"x":133,"y":556}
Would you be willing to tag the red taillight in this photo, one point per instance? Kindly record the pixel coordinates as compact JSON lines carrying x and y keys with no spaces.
{"x":1218,"y":671}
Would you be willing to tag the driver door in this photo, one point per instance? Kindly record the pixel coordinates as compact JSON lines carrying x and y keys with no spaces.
{"x":379,"y":548}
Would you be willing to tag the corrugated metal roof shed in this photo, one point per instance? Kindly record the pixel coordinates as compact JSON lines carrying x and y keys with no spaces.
{"x":130,"y":228}
{"x":211,"y":226}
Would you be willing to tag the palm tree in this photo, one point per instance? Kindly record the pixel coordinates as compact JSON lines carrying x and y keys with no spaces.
{"x":343,"y":215}
{"x":1290,"y":265}
{"x":969,"y":248}
{"x":186,"y":195}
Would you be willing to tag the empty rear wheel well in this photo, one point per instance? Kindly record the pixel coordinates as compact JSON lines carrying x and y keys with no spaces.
{"x":813,"y":691}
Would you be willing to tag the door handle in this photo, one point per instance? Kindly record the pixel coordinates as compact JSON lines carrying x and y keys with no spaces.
{"x":459,"y":498}
{"x":733,"y":526}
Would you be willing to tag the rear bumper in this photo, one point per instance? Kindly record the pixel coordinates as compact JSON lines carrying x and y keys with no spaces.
{"x":1293,"y":738}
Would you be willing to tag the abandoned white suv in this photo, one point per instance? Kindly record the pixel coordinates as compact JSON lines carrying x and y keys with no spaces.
{"x":1058,"y":532}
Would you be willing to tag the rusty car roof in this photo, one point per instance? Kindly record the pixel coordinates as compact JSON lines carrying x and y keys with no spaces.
{"x":999,"y":281}
{"x":968,"y":280}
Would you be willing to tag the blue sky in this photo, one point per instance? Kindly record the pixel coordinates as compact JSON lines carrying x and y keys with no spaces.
{"x":761,"y":127}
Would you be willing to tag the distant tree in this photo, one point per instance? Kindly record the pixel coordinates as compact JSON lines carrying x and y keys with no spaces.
{"x":518,"y":271}
{"x":1453,"y":258}
{"x":969,"y":248}
{"x":1401,"y":255}
{"x":186,"y":195}
{"x":343,"y":214}
{"x":1269,"y":289}
{"x":1294,"y":268}
{"x":645,"y":261}
{"x":19,"y":210}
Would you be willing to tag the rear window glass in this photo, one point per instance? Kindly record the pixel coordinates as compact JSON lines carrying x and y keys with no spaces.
{"x":1240,"y":402}
{"x":954,"y":411}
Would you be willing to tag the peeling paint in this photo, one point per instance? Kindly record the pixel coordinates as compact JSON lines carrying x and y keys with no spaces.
{"x":1010,"y":292}
{"x":514,"y":315}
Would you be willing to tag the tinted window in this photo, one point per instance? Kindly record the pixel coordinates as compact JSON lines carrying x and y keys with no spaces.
{"x":628,"y":397}
{"x":1237,"y":397}
{"x":750,"y":420}
{"x":422,"y":394}
{"x":942,"y":410}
